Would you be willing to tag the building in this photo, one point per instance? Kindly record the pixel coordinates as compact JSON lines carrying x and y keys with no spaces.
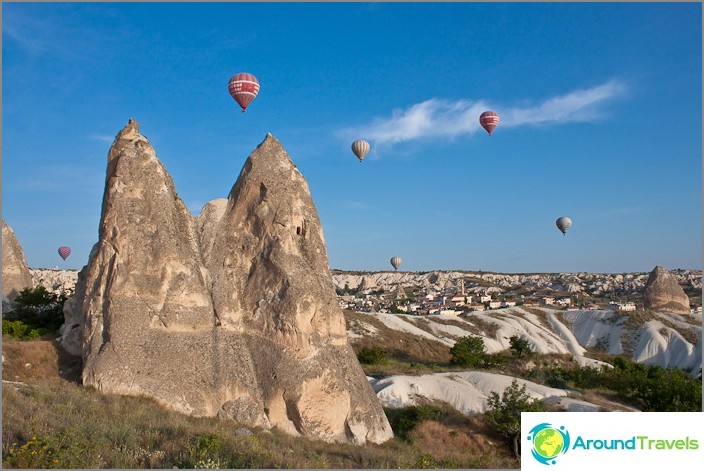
{"x":629,"y":306}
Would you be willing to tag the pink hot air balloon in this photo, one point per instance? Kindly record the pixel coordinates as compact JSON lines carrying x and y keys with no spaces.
{"x":64,"y":252}
{"x":244,"y":88}
{"x":489,"y":120}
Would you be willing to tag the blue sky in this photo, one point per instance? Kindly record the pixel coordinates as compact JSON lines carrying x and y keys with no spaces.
{"x":600,"y":109}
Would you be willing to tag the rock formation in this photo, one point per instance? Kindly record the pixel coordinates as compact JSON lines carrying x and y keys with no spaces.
{"x":15,"y":272}
{"x":399,"y":292}
{"x":232,"y":314}
{"x":663,"y":293}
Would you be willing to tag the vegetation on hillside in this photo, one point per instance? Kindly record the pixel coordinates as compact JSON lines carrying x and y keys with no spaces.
{"x":35,"y":313}
{"x":49,"y":422}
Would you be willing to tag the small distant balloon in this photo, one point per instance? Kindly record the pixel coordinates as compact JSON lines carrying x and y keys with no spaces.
{"x":64,"y":252}
{"x":563,"y":223}
{"x":360,"y":148}
{"x":244,"y":88}
{"x":396,"y":262}
{"x":489,"y":120}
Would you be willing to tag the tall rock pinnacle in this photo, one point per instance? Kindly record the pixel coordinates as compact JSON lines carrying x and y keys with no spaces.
{"x":233,"y":314}
{"x":149,"y":326}
{"x":15,"y":272}
{"x":272,"y":282}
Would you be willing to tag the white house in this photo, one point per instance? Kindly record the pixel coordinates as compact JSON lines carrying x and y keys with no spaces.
{"x":449,"y":312}
{"x":629,"y":306}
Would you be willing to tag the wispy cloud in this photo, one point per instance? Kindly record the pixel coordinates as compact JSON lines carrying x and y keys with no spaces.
{"x":437,"y":118}
{"x":353,"y":205}
{"x":100,"y":137}
{"x":60,"y":178}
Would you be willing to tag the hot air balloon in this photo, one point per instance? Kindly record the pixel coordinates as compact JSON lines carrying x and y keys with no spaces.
{"x":360,"y":148}
{"x":396,"y":262}
{"x":64,"y":252}
{"x":489,"y":120}
{"x":563,"y":223}
{"x":244,"y":88}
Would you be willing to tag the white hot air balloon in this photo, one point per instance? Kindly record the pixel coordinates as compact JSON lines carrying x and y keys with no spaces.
{"x":563,"y":223}
{"x":396,"y":262}
{"x":360,"y":148}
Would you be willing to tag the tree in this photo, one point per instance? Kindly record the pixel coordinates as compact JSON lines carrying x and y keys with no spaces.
{"x":504,"y":413}
{"x":468,"y":351}
{"x":520,"y":346}
{"x":35,"y":312}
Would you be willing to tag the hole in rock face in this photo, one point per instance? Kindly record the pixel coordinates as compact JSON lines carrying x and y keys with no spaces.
{"x":298,"y":230}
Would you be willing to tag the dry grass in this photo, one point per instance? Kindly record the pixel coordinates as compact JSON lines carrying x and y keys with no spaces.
{"x":38,"y":360}
{"x":54,"y":422}
{"x":403,"y":347}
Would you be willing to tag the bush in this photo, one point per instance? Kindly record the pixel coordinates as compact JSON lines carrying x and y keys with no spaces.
{"x":468,"y":351}
{"x":20,"y":330}
{"x":504,"y":413}
{"x":36,"y":312}
{"x":520,"y":346}
{"x":372,"y":356}
{"x":404,"y":420}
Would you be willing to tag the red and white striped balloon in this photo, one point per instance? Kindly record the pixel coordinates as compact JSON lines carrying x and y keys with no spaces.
{"x":489,"y":120}
{"x":244,"y":88}
{"x":64,"y":252}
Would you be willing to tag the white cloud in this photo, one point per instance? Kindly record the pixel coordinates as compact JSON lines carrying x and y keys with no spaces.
{"x":437,"y":118}
{"x":101,"y":138}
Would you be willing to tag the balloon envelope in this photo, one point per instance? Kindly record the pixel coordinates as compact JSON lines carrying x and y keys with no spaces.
{"x":396,"y":262}
{"x":489,"y":120}
{"x":563,"y":223}
{"x":360,"y":148}
{"x":64,"y":252}
{"x":244,"y":88}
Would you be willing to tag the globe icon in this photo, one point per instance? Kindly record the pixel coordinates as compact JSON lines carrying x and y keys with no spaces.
{"x":548,"y":443}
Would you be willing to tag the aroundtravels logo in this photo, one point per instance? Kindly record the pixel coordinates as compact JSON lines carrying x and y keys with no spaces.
{"x":548,"y":442}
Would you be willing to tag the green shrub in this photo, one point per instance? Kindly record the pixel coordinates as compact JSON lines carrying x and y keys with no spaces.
{"x":372,"y":356}
{"x":468,"y":351}
{"x":504,"y":412}
{"x":204,"y":451}
{"x":35,"y":312}
{"x":20,"y":330}
{"x":520,"y":347}
{"x":404,"y":420}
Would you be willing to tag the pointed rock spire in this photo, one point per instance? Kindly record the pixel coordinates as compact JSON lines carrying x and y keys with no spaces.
{"x":233,"y":314}
{"x":15,"y":272}
{"x":664,"y":293}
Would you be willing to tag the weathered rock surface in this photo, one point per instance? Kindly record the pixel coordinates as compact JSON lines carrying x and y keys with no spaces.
{"x":15,"y":272}
{"x":149,"y":326}
{"x":663,"y":293}
{"x":232,"y":314}
{"x":272,"y":283}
